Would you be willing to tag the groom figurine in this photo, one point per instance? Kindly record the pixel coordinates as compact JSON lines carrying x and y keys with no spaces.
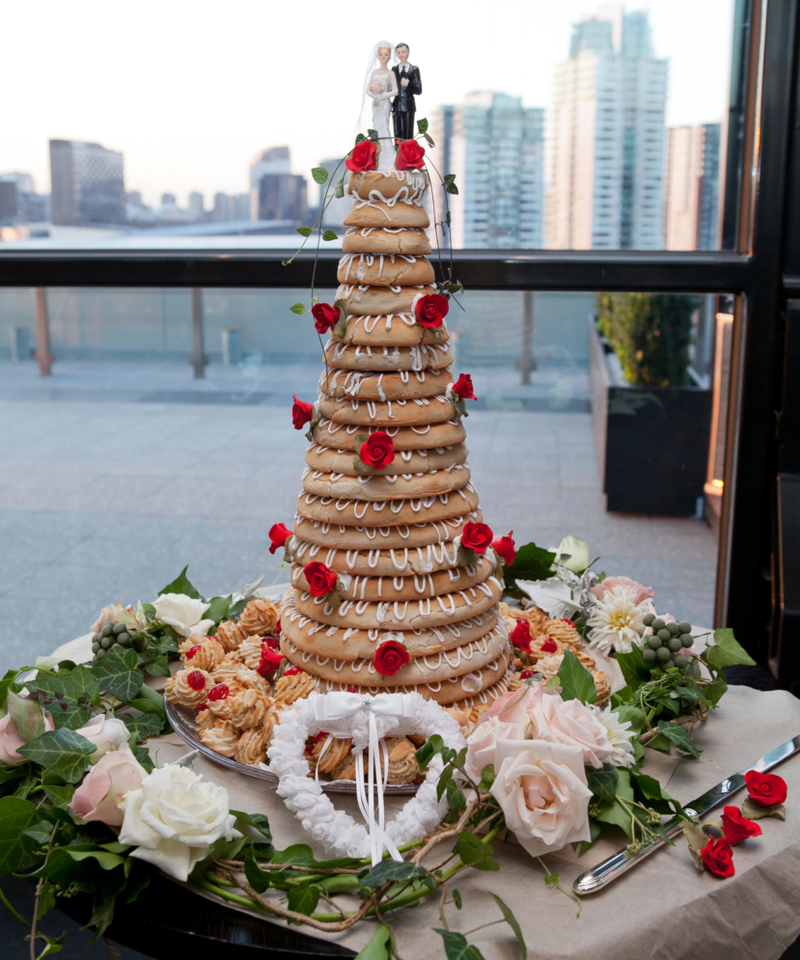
{"x":409,"y":85}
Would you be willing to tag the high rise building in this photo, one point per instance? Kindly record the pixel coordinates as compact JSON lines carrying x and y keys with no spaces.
{"x":606,"y":136}
{"x":19,"y":200}
{"x":495,"y":148}
{"x":276,"y":193}
{"x":88,"y":183}
{"x":196,"y":208}
{"x":691,"y":211}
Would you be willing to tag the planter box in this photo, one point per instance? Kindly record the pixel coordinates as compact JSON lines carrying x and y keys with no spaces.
{"x":652,"y":442}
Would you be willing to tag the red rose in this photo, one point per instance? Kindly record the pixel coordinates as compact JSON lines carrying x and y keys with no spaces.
{"x":410,"y":155}
{"x":431,"y":309}
{"x":325,"y":317}
{"x":718,"y":857}
{"x":463,"y":387}
{"x":270,"y":660}
{"x":521,"y":635}
{"x":292,"y":671}
{"x":321,"y":579}
{"x":389,"y":657}
{"x":278,"y":535}
{"x":302,"y":413}
{"x":549,"y":646}
{"x":476,"y":536}
{"x":736,"y":827}
{"x":378,"y":450}
{"x":364,"y":156}
{"x":219,"y":692}
{"x":765,"y":788}
{"x":505,"y":547}
{"x":271,"y":642}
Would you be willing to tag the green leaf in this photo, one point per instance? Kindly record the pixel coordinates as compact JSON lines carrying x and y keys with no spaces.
{"x":218,"y":608}
{"x":444,"y":779}
{"x":727,"y":651}
{"x":118,"y":673}
{"x":456,"y":946}
{"x":149,"y":707}
{"x":304,"y":232}
{"x":511,"y":920}
{"x":603,"y":783}
{"x":392,"y":871}
{"x":474,"y":852}
{"x":422,"y":125}
{"x":360,"y":137}
{"x":330,"y":235}
{"x":64,"y":753}
{"x":757,"y":811}
{"x":298,"y":309}
{"x":372,"y":134}
{"x":259,"y":823}
{"x":576,"y":681}
{"x":379,"y":946}
{"x":429,"y":138}
{"x":455,"y":796}
{"x":530,"y":563}
{"x":148,"y":725}
{"x":70,"y":694}
{"x":304,"y":899}
{"x":634,"y":669}
{"x":182,"y":585}
{"x":15,"y":847}
{"x":299,"y":853}
{"x":106,"y":860}
{"x":428,"y":750}
{"x":258,"y":879}
{"x":457,"y":899}
{"x":487,"y":778}
{"x":452,"y":188}
{"x":320,"y":175}
{"x":679,"y":737}
{"x":156,"y":668}
{"x":47,"y":899}
{"x":714,"y":692}
{"x":617,"y":815}
{"x":39,"y":832}
{"x":339,"y":189}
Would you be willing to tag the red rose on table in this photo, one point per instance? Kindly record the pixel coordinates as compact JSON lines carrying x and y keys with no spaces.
{"x":302,"y":413}
{"x":476,"y":536}
{"x":520,"y":636}
{"x":389,"y":657}
{"x":410,"y":155}
{"x":463,"y":387}
{"x":278,"y":535}
{"x":270,"y":660}
{"x":363,"y":157}
{"x":431,"y":309}
{"x":736,"y":827}
{"x":765,"y":788}
{"x":321,"y":579}
{"x":377,"y":451}
{"x":504,"y":546}
{"x":325,"y":317}
{"x":717,"y":857}
{"x":549,"y":646}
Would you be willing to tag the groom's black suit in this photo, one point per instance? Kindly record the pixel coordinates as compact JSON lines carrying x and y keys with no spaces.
{"x":404,"y":106}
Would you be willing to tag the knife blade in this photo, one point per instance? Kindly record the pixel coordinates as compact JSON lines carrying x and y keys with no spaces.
{"x":614,"y":866}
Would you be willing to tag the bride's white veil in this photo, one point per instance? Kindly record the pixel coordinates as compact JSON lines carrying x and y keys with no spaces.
{"x":372,"y":64}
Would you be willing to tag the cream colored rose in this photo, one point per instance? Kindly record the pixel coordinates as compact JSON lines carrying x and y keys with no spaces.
{"x":174,"y":818}
{"x":106,"y":784}
{"x":573,"y":554}
{"x":109,"y":614}
{"x":182,"y":613}
{"x":541,"y":788}
{"x":482,"y":743}
{"x":106,"y":733}
{"x":571,"y":723}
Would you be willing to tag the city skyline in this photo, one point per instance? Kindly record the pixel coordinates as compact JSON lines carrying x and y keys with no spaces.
{"x":191,"y":121}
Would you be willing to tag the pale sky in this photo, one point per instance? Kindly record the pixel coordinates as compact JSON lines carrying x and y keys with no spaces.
{"x":189,"y":91}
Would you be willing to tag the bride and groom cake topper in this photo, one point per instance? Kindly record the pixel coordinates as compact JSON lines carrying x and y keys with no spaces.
{"x":392,"y":83}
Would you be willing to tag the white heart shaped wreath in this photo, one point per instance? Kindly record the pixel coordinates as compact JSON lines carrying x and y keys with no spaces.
{"x":362,"y":718}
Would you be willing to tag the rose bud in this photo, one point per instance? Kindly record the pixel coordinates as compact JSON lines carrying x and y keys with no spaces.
{"x":476,"y":536}
{"x":504,"y":546}
{"x":364,"y":156}
{"x":105,"y":786}
{"x":718,"y":857}
{"x":377,"y":451}
{"x":463,"y":387}
{"x":520,"y":636}
{"x":431,"y":309}
{"x":410,"y":155}
{"x":390,"y":657}
{"x":270,"y":660}
{"x":279,"y":534}
{"x":302,"y":413}
{"x":736,"y":827}
{"x":325,"y":317}
{"x":766,"y":789}
{"x":321,"y":579}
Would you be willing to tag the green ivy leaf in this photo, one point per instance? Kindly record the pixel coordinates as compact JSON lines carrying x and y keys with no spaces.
{"x":118,"y":673}
{"x":182,"y":585}
{"x":218,"y":608}
{"x":60,"y":797}
{"x":304,"y":231}
{"x":429,"y":138}
{"x":298,"y":309}
{"x":456,"y":946}
{"x":360,"y":137}
{"x":16,"y":848}
{"x":679,"y":736}
{"x":634,"y":669}
{"x":422,"y":125}
{"x":487,"y":778}
{"x":372,"y":134}
{"x":63,"y":753}
{"x":379,"y":946}
{"x":330,"y":235}
{"x":474,"y":852}
{"x":304,"y":899}
{"x":392,"y":871}
{"x":511,"y":920}
{"x":530,"y":563}
{"x":339,"y":189}
{"x":727,"y":651}
{"x":260,"y":823}
{"x":452,"y":188}
{"x":455,"y":796}
{"x":603,"y":782}
{"x":106,"y":860}
{"x":428,"y":750}
{"x":258,"y":879}
{"x":148,"y":725}
{"x":576,"y":681}
{"x":320,"y":175}
{"x":157,"y":668}
{"x":76,"y":689}
{"x":457,"y":899}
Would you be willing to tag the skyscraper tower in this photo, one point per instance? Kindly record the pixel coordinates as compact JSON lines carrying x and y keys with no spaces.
{"x":692,"y":191}
{"x":87,"y":182}
{"x":605,"y":171}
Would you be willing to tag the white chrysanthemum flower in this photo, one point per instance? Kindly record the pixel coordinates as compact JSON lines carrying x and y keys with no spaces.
{"x":620,"y":735}
{"x":615,"y":621}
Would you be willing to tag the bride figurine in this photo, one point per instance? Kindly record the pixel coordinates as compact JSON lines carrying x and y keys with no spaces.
{"x":381,"y":87}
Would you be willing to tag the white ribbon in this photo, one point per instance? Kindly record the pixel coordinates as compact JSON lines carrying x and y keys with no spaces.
{"x":342,"y":706}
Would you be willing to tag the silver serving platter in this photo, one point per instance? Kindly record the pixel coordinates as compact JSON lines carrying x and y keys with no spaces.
{"x":183,"y":722}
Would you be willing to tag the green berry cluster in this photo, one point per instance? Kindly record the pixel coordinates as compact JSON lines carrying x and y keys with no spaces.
{"x":666,"y":645}
{"x":111,"y":634}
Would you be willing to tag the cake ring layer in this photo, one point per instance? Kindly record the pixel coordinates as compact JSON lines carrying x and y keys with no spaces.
{"x":428,"y":436}
{"x":371,"y":301}
{"x":388,"y":512}
{"x":352,"y":540}
{"x":379,"y":488}
{"x":405,"y":186}
{"x":383,"y":215}
{"x":385,"y":269}
{"x":343,"y":356}
{"x":328,"y":460}
{"x":401,"y":413}
{"x":377,"y":562}
{"x":397,"y":240}
{"x":405,"y":385}
{"x":389,"y":330}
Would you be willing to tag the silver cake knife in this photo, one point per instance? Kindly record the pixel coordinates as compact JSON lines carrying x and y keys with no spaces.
{"x":601,"y":875}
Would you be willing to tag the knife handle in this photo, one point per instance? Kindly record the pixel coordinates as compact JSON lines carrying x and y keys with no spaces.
{"x":595,"y":879}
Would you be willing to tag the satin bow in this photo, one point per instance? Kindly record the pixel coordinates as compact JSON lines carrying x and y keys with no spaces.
{"x":329,"y":708}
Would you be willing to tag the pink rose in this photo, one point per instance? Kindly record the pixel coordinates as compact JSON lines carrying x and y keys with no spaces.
{"x":515,"y":706}
{"x":541,"y":788}
{"x":105,"y":785}
{"x":573,"y":724}
{"x":109,"y":614}
{"x":482,"y":743}
{"x":607,"y":585}
{"x":11,"y":741}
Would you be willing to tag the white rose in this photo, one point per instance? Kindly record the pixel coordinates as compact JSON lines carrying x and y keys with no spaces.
{"x":571,"y":723}
{"x":182,"y":613}
{"x":106,"y":733}
{"x":573,"y":554}
{"x":174,"y":818}
{"x":541,"y":788}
